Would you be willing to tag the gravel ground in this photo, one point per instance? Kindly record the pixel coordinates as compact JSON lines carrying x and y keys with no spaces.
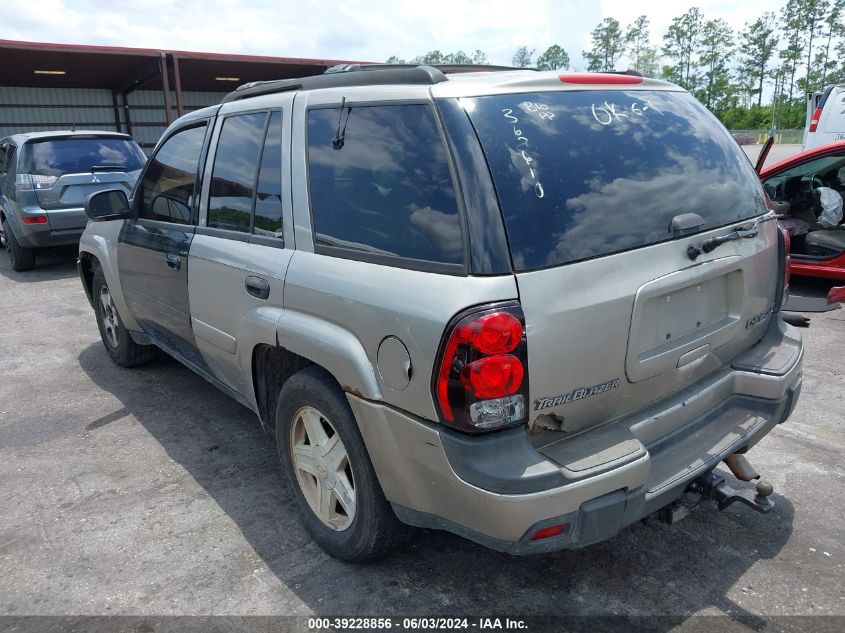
{"x":147,"y":492}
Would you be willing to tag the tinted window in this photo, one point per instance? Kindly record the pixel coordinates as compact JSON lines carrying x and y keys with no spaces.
{"x":268,"y":198}
{"x":79,"y":155}
{"x":168,"y":186}
{"x":388,"y":189}
{"x":233,"y":175}
{"x":3,"y":151}
{"x":583,"y":174}
{"x":11,"y":163}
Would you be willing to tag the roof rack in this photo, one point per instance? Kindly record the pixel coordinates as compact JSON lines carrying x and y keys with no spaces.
{"x":360,"y":75}
{"x":446,"y":69}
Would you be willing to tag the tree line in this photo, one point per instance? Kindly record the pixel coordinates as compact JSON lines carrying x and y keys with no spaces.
{"x":751,"y":78}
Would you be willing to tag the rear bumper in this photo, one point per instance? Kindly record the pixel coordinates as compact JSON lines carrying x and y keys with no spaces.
{"x":63,"y":227}
{"x":498,"y":490}
{"x":47,"y":238}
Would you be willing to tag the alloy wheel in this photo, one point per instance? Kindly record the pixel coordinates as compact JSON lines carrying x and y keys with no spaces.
{"x":109,"y":316}
{"x":322,"y":468}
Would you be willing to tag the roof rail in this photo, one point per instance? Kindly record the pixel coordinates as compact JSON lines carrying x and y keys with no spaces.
{"x":446,"y":69}
{"x":344,"y":75}
{"x":420,"y":75}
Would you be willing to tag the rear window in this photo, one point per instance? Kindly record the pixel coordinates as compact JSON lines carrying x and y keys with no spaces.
{"x":57,"y":157}
{"x":586,"y":174}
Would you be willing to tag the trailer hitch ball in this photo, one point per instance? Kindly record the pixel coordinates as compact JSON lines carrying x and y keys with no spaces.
{"x":764,"y":491}
{"x":713,"y":486}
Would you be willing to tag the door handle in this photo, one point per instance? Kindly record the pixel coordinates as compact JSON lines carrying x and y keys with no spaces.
{"x":257,"y":287}
{"x":173,"y":261}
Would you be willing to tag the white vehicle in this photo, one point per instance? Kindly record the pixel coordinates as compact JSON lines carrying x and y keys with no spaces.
{"x":825,"y":117}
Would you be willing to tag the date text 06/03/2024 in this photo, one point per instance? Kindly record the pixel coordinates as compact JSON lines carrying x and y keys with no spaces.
{"x":414,"y":624}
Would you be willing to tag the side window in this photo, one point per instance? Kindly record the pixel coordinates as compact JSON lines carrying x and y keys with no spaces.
{"x":7,"y":159}
{"x":268,"y":197}
{"x":387,"y":188}
{"x":167,"y":191}
{"x":233,"y":175}
{"x":11,"y":162}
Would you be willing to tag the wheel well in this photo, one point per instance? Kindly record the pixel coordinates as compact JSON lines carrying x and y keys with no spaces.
{"x":271,"y":368}
{"x":88,"y":264}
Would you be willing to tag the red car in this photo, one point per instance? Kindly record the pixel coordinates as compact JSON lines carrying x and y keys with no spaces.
{"x":795,"y":187}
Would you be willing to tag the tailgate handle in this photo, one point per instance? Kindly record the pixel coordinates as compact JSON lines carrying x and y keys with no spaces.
{"x":694,"y":356}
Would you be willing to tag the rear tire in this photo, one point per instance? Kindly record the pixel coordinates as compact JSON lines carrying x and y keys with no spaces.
{"x":116,"y":338}
{"x":323,"y":457}
{"x":22,"y":258}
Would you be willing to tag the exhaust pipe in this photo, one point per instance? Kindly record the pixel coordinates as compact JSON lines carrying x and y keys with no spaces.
{"x":741,"y":467}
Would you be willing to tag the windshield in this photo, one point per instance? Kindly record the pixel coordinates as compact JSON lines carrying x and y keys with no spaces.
{"x":585,"y":174}
{"x":56,"y":157}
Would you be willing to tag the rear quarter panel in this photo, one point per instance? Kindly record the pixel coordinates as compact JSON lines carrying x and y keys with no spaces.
{"x":338,"y":311}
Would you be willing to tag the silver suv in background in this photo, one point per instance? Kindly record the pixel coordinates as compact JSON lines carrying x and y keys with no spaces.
{"x":530,"y":308}
{"x":45,"y":179}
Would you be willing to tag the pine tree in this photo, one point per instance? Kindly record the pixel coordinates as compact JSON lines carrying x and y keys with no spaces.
{"x":758,"y":42}
{"x":715,"y":52}
{"x":555,"y":58}
{"x":680,"y":44}
{"x":522,"y":58}
{"x":608,"y":46}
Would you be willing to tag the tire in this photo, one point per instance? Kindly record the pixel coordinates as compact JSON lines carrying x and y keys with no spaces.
{"x":22,"y":258}
{"x":373,"y":529}
{"x":118,"y":343}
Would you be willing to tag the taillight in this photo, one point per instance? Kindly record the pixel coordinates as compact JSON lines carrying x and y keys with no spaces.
{"x":481,"y":379}
{"x":34,"y":219}
{"x":493,"y":376}
{"x":26,"y":182}
{"x":814,"y":122}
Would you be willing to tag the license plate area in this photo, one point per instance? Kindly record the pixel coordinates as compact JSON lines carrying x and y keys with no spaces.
{"x":681,"y":312}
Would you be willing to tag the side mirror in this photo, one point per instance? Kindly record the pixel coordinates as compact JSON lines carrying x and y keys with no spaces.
{"x":110,"y":204}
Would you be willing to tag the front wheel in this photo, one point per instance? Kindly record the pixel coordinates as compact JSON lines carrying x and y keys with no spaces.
{"x":325,"y":463}
{"x":116,"y":338}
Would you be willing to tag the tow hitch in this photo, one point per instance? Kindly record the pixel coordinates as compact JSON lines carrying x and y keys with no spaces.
{"x":713,"y":486}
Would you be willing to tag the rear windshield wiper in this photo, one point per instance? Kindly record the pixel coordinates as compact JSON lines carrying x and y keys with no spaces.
{"x":742,"y":232}
{"x":108,"y":168}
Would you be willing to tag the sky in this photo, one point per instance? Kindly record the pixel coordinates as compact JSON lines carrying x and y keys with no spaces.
{"x":349,"y":29}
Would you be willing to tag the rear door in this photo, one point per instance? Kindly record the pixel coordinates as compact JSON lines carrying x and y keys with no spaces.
{"x":153,"y":249}
{"x":66,"y":170}
{"x":240,"y":252}
{"x":603,"y":195}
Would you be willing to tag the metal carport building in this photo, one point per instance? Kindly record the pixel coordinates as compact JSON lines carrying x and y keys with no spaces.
{"x":134,"y":90}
